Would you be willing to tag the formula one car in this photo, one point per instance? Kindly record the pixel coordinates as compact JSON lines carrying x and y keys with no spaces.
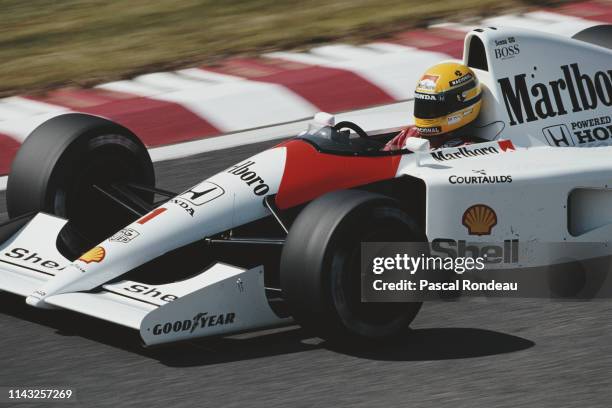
{"x":276,"y":238}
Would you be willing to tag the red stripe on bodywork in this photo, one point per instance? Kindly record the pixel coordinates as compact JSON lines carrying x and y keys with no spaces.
{"x":329,"y":89}
{"x":8,"y":150}
{"x":309,"y":174}
{"x":151,"y":215}
{"x":434,"y":39}
{"x":155,"y":122}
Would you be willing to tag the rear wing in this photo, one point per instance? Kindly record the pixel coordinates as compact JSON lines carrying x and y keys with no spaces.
{"x":223,"y":299}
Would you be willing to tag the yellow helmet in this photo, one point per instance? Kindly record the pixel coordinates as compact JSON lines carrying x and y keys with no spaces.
{"x":447,"y":97}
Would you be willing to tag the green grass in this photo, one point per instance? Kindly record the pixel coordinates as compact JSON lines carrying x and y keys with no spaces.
{"x":46,"y":43}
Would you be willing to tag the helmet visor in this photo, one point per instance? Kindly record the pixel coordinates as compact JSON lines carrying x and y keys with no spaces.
{"x":431,"y":106}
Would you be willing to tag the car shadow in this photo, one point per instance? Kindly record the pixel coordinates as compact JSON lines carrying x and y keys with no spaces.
{"x":418,"y":345}
{"x":439,"y":344}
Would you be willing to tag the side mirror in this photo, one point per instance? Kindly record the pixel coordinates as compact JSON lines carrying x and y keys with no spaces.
{"x":417,"y":145}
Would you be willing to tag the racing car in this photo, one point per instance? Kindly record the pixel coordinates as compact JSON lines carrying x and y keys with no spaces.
{"x":275,"y":239}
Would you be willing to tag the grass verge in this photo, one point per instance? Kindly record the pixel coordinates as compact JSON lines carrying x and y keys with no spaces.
{"x":49,"y":43}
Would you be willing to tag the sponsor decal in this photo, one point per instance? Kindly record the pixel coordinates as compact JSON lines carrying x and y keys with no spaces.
{"x":189,"y":209}
{"x":454,"y":119}
{"x":473,"y":151}
{"x":201,"y":194}
{"x":479,"y":219}
{"x":481,"y":178}
{"x":545,"y":100}
{"x":150,"y":291}
{"x":151,"y":215}
{"x":558,"y":135}
{"x":34,"y":259}
{"x":199,"y":321}
{"x":595,"y":131}
{"x":506,"y":49}
{"x":460,"y":80}
{"x":430,"y":130}
{"x":427,"y":97}
{"x":428,"y":82}
{"x":96,"y":255}
{"x":250,"y":177}
{"x":124,"y":236}
{"x":507,"y":252}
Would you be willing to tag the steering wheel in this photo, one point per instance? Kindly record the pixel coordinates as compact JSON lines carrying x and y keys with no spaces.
{"x":345,"y":124}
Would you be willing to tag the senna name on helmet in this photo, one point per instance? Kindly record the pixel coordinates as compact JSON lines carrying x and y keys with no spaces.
{"x":447,"y":97}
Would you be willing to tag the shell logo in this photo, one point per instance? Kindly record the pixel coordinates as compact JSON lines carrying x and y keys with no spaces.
{"x":428,"y":82}
{"x":96,"y":254}
{"x":479,"y":219}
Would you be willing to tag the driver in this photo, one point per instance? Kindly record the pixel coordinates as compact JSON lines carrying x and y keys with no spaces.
{"x":447,"y":99}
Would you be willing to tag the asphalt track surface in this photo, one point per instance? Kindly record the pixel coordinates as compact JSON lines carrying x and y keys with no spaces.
{"x":478,"y":353}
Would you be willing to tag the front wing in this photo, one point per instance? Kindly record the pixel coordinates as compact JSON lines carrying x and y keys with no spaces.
{"x":223,"y":299}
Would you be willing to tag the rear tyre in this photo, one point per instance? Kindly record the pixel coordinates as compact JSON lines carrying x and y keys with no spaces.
{"x":320,"y":266}
{"x":57,"y":167}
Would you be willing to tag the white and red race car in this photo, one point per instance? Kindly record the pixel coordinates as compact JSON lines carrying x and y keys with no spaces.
{"x":276,"y":238}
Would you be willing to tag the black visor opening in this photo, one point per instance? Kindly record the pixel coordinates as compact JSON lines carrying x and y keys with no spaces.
{"x":435,"y":106}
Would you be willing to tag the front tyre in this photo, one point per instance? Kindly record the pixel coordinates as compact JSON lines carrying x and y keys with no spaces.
{"x":320,"y":265}
{"x":59,"y":166}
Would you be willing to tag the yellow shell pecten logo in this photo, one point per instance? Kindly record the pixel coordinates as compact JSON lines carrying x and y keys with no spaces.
{"x":479,"y":219}
{"x":96,"y":254}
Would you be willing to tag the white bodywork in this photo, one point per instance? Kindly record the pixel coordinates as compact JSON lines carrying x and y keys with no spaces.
{"x":545,"y":167}
{"x":182,"y":221}
{"x":534,"y":180}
